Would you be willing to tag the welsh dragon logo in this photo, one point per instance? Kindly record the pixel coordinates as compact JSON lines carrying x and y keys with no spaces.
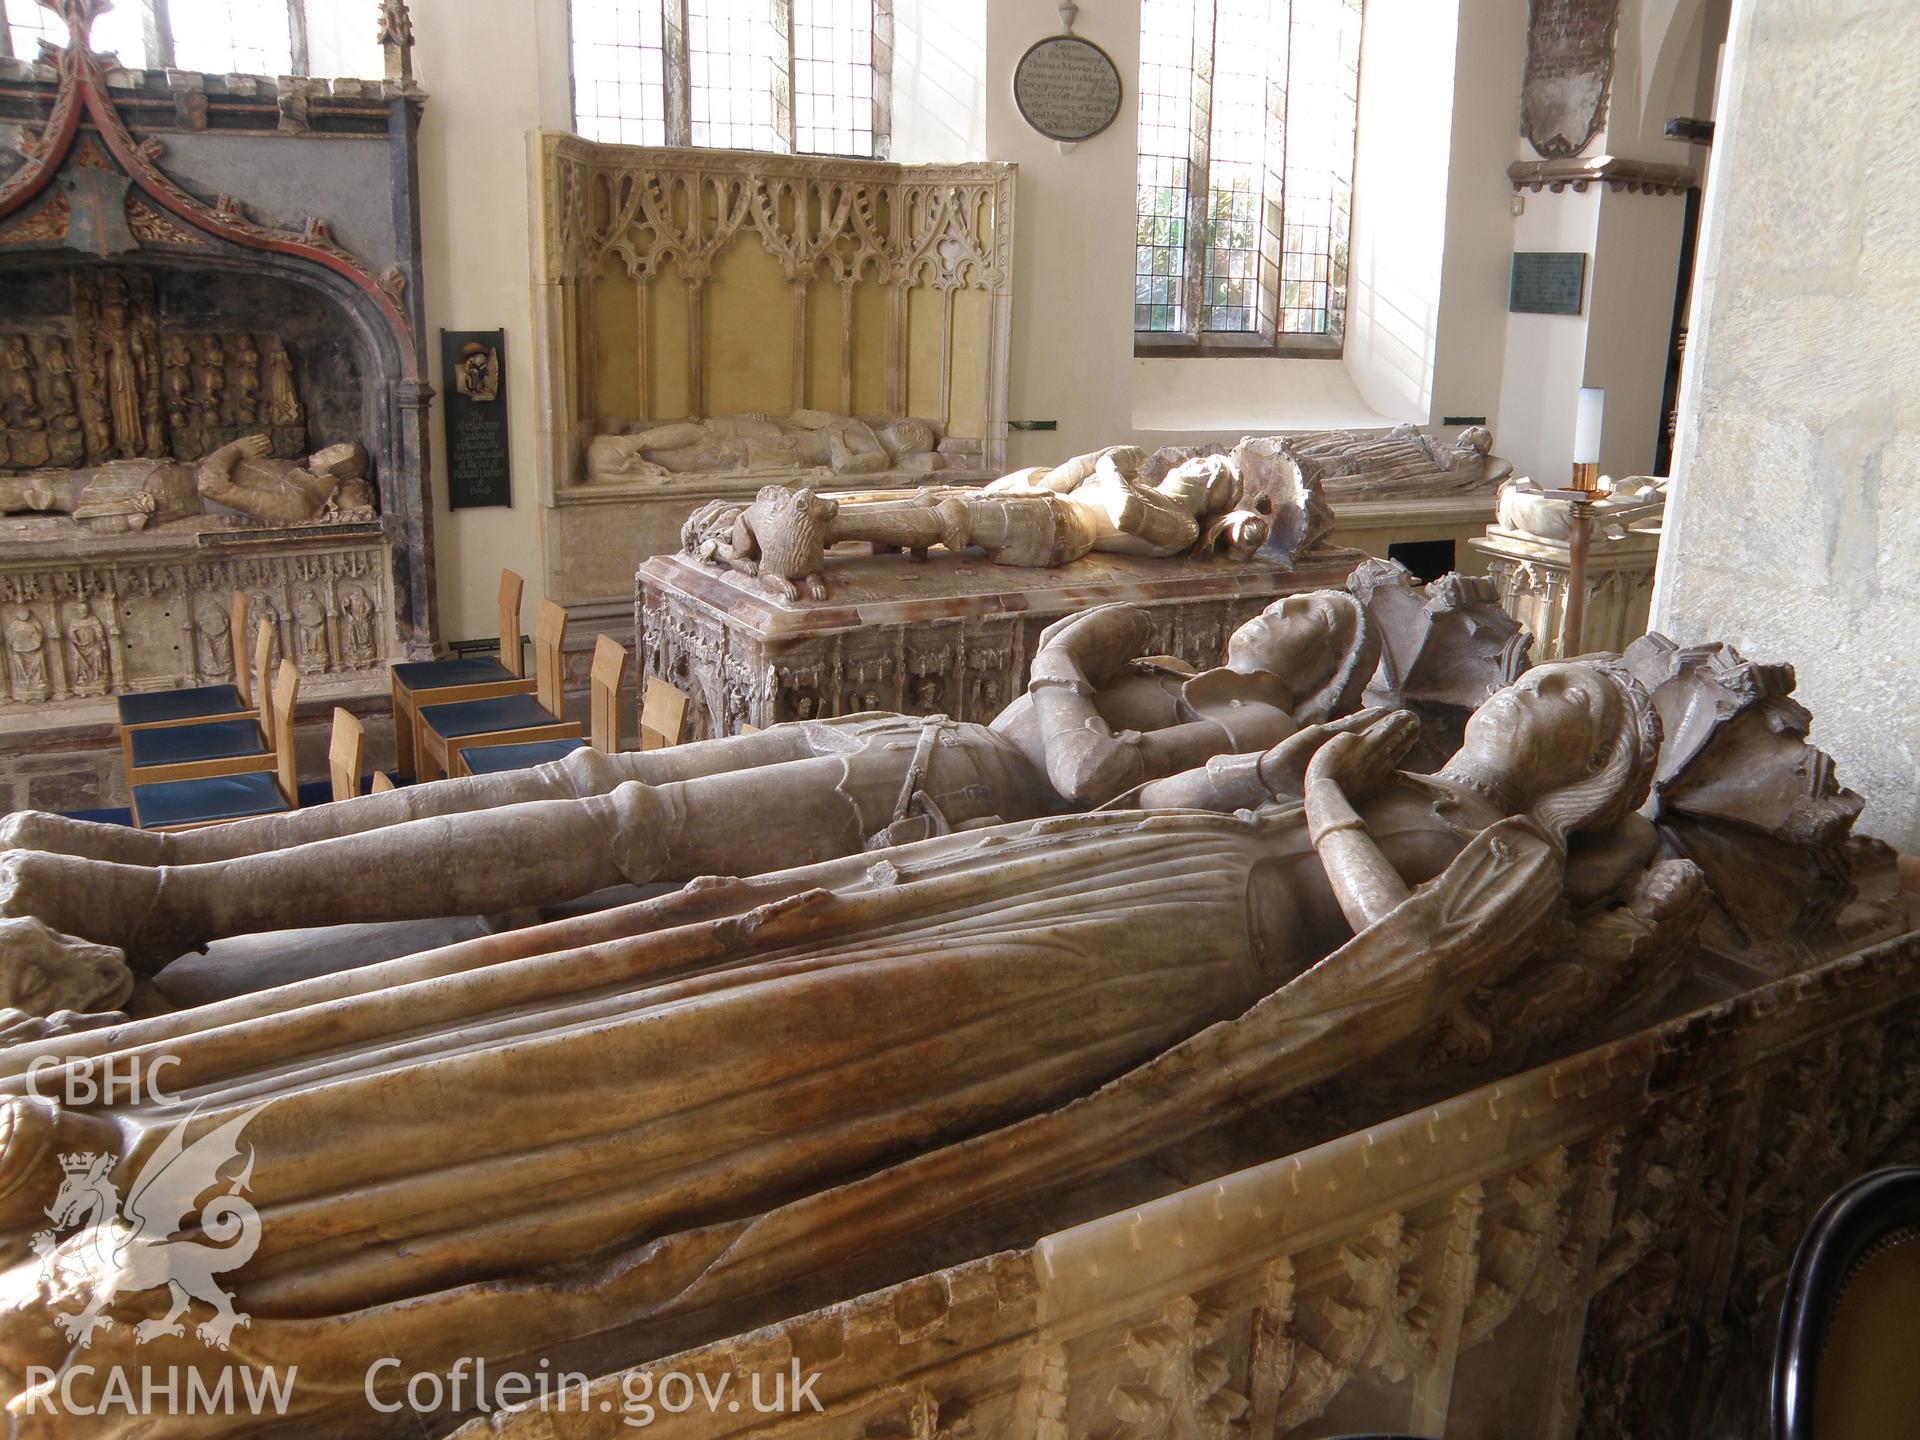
{"x":125,"y":1247}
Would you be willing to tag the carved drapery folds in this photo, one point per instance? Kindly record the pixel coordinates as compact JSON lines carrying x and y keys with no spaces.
{"x":1591,"y":1249}
{"x":871,"y":287}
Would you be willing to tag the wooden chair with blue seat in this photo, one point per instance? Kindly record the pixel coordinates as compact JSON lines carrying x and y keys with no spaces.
{"x":446,"y":730}
{"x":214,"y":797}
{"x":194,"y":703}
{"x":609,"y":673}
{"x":444,"y":682}
{"x":194,"y":749}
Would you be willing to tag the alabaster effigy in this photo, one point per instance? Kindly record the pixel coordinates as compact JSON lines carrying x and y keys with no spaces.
{"x":943,"y":1005}
{"x":1116,"y":717}
{"x":1039,"y":518}
{"x":1353,"y":466}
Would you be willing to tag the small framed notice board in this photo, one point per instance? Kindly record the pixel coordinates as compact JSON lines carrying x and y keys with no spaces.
{"x":472,"y":368}
{"x":1547,"y":282}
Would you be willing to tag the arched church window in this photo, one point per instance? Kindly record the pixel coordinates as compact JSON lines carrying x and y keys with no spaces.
{"x":807,"y":76}
{"x":1247,"y":124}
{"x":327,"y":38}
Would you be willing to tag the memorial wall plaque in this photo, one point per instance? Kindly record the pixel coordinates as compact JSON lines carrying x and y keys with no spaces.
{"x":1547,"y":282}
{"x":1067,"y":88}
{"x":471,"y":365}
{"x":1563,"y":99}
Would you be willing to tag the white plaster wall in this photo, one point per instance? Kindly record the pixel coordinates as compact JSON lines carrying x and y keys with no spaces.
{"x":1794,"y":529}
{"x":1472,"y":323}
{"x":1546,"y":355}
{"x":494,"y":70}
{"x":1073,"y":326}
{"x":1073,"y":242}
{"x":939,"y":81}
{"x":1402,"y":169}
{"x":1620,"y":341}
{"x":1630,"y":324}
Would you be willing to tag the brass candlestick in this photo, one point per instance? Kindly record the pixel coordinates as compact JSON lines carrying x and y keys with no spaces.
{"x":1574,"y":622}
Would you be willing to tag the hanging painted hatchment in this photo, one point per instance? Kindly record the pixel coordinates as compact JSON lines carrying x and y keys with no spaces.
{"x":1563,"y":100}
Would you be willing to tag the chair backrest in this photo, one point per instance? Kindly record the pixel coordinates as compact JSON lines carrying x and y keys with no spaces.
{"x":382,"y":782}
{"x":237,"y":634}
{"x":263,"y":674}
{"x":345,"y":754}
{"x":511,"y":589}
{"x":1842,"y":1363}
{"x":549,"y":673}
{"x":609,"y":671}
{"x":286,"y":691}
{"x":663,"y":714}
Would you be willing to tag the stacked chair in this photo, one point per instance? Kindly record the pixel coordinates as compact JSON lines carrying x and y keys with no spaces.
{"x":421,"y":683}
{"x":445,"y":733}
{"x":245,"y":767}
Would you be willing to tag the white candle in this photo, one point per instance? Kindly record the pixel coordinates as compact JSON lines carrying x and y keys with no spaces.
{"x":1586,"y":427}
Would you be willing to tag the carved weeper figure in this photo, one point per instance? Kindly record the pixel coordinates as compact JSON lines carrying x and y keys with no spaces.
{"x":755,"y":1081}
{"x":1098,"y":721}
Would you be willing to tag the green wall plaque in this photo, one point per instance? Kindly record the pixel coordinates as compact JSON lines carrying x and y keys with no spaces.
{"x":1547,"y":282}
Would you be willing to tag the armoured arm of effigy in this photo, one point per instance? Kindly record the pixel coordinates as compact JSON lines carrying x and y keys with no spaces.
{"x":1086,"y":762}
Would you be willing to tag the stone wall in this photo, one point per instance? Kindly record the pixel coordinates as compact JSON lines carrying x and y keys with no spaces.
{"x":1794,"y":528}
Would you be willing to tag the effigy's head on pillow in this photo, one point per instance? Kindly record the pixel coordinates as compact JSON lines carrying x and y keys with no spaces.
{"x":1318,"y":642}
{"x":1572,"y":743}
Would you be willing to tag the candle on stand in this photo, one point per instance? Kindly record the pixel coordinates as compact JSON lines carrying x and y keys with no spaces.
{"x":1586,"y":486}
{"x":1586,"y":440}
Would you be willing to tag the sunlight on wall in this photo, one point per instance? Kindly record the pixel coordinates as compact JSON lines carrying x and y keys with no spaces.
{"x":939,"y":82}
{"x":1400,"y":203}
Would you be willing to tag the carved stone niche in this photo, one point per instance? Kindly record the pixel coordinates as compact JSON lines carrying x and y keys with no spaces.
{"x":761,"y":319}
{"x":155,"y":317}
